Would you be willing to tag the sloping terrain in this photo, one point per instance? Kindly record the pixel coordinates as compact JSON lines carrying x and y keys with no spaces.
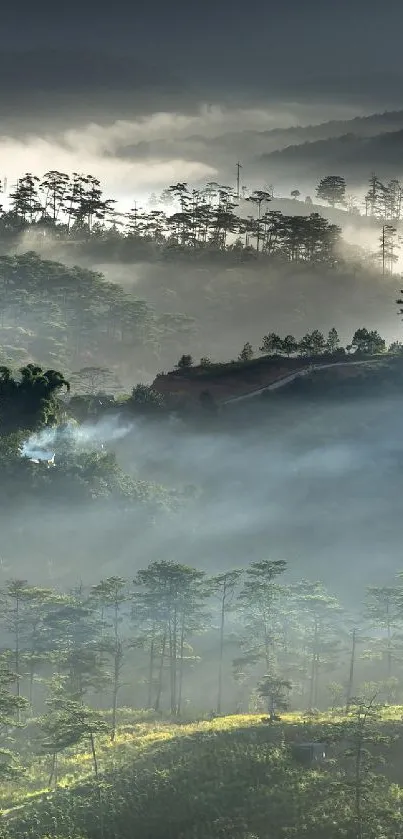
{"x":350,"y":154}
{"x":238,"y":380}
{"x":310,"y":473}
{"x":232,"y":777}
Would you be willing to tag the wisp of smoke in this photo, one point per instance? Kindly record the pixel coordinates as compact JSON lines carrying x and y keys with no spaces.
{"x":87,"y":437}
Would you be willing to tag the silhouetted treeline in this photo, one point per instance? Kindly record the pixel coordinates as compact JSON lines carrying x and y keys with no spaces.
{"x":312,"y":345}
{"x":75,"y":207}
{"x":195,"y":219}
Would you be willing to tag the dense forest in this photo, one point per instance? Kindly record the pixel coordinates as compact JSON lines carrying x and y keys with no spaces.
{"x":154,"y":639}
{"x":171,"y":276}
{"x":213,"y":217}
{"x":77,"y":664}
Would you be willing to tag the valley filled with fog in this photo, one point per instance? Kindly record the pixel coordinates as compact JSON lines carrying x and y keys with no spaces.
{"x":200,"y":480}
{"x":201,"y":447}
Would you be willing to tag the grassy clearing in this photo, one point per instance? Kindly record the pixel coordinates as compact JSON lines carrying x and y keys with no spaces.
{"x":136,"y":735}
{"x":140,"y":734}
{"x":229,"y":777}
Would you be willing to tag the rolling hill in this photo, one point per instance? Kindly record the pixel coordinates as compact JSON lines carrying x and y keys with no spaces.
{"x":234,"y":777}
{"x":351,"y":154}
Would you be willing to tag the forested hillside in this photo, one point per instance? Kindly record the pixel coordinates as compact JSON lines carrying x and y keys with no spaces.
{"x":71,"y":317}
{"x":184,"y":556}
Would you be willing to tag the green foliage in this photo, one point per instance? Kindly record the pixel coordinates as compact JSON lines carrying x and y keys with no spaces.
{"x":29,"y":401}
{"x":145,"y":398}
{"x":246,"y":353}
{"x":332,"y":189}
{"x":272,"y":344}
{"x":205,"y":362}
{"x":314,"y":343}
{"x":259,"y":603}
{"x":276,"y":691}
{"x":368,"y":342}
{"x":396,"y":348}
{"x":184,"y":362}
{"x":111,"y":595}
{"x":70,"y":316}
{"x":174,"y":597}
{"x":68,"y":723}
{"x":95,"y":380}
{"x":11,"y":705}
{"x":289,"y":345}
{"x":231,"y":778}
{"x":333,"y":341}
{"x":234,"y":773}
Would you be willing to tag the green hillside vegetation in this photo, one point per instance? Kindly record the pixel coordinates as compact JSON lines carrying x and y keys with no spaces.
{"x":71,"y":317}
{"x":231,"y":777}
{"x":71,"y":658}
{"x":379,"y":376}
{"x":183,"y":220}
{"x":170,"y":636}
{"x":75,"y":210}
{"x":366,"y":362}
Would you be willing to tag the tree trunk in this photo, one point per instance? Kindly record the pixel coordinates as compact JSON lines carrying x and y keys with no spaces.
{"x":173,"y":631}
{"x":95,"y":764}
{"x":160,"y":674}
{"x":94,"y":757}
{"x":350,"y":686}
{"x":150,"y":675}
{"x":31,"y":684}
{"x":179,"y":703}
{"x":315,"y":696}
{"x":221,"y":652}
{"x":115,"y":696}
{"x":17,"y":653}
{"x":358,"y":788}
{"x":53,"y":772}
{"x":389,"y":652}
{"x":313,"y":667}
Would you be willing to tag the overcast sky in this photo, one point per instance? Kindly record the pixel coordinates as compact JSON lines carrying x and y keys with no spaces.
{"x":87,"y":86}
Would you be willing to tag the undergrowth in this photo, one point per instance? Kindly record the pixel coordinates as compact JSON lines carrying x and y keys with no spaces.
{"x":229,"y":777}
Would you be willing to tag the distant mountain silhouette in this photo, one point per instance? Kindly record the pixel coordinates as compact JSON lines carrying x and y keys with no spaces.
{"x":368,"y":126}
{"x":350,"y":155}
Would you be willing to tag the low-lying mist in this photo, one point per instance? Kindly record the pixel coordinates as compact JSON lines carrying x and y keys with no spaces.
{"x":317,"y":485}
{"x":230,"y":302}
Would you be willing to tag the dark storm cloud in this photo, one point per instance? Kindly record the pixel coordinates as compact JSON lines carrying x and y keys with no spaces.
{"x":72,"y":75}
{"x":83,"y":85}
{"x":136,"y":56}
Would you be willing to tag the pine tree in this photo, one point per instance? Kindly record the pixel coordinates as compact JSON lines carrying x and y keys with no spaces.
{"x":383,"y":610}
{"x":332,"y":189}
{"x":111,"y":595}
{"x":25,"y":198}
{"x":272,"y":344}
{"x":66,"y":724}
{"x":318,"y":616}
{"x":260,"y":607}
{"x":11,"y":705}
{"x":223,"y":586}
{"x":176,"y":603}
{"x":333,"y":341}
{"x":246,"y":353}
{"x":312,"y":344}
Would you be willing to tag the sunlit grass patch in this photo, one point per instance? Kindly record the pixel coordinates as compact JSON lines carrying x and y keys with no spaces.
{"x":142,"y":734}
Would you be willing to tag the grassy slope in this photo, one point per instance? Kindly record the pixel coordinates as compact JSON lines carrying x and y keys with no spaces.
{"x":234,"y":378}
{"x":203,"y":779}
